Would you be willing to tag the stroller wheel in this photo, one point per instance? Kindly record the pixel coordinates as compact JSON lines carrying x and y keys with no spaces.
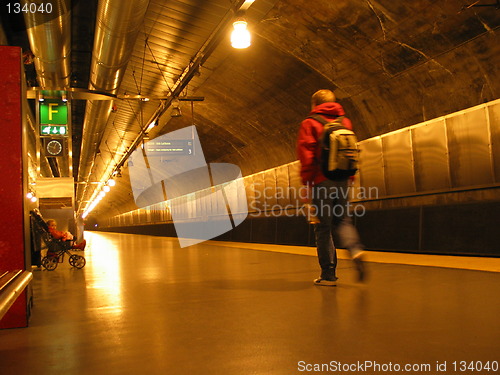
{"x":49,"y":263}
{"x":77,"y":261}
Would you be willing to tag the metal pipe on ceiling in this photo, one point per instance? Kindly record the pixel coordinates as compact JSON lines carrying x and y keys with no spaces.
{"x":50,"y":42}
{"x":118,"y":24}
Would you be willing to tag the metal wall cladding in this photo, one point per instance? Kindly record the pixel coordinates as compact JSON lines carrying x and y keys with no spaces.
{"x":238,"y":203}
{"x":270,"y":193}
{"x":461,"y":150}
{"x":250,"y":193}
{"x":158,"y":213}
{"x":398,"y":162}
{"x":201,"y":206}
{"x":371,"y":165}
{"x":295,"y":187}
{"x":282,"y":186}
{"x":258,"y":186}
{"x":469,"y":148}
{"x":430,"y":154}
{"x":494,"y":120}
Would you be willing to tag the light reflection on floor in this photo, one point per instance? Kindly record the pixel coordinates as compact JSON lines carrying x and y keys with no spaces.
{"x":103,"y":273}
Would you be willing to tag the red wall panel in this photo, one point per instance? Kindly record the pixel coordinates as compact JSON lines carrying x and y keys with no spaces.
{"x":12,"y":232}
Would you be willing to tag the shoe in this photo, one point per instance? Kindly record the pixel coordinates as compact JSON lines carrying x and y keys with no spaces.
{"x":80,"y":246}
{"x":360,"y":267}
{"x":325,"y":282}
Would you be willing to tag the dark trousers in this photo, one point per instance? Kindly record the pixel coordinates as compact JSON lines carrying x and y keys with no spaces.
{"x":331,"y":201}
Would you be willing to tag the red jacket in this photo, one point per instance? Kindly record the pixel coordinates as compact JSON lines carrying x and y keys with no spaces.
{"x":58,"y":235}
{"x":308,"y":148}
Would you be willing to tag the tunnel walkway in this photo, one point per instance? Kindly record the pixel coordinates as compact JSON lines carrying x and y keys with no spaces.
{"x":142,"y":305}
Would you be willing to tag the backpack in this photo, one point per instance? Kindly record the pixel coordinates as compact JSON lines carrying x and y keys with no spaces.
{"x":339,"y":149}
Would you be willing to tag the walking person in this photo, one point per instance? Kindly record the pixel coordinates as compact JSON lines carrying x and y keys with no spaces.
{"x":329,"y":196}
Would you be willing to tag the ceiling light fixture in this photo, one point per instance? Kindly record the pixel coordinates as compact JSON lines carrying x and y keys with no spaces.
{"x":117,"y":172}
{"x":176,"y":110}
{"x":240,"y":37}
{"x":152,"y":125}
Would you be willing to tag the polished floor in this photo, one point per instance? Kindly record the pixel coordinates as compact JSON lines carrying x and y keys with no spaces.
{"x":142,"y":305}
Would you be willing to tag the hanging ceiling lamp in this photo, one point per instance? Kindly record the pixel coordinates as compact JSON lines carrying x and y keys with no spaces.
{"x":240,"y":37}
{"x":176,"y":109}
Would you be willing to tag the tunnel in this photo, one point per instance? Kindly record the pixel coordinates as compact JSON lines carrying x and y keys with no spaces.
{"x":143,"y":121}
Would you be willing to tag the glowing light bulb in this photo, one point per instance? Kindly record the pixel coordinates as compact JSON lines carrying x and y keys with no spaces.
{"x":240,"y":37}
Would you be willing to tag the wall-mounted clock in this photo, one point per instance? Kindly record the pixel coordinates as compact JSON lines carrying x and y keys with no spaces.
{"x":54,"y":147}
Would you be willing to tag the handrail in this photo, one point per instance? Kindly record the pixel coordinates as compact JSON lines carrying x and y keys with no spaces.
{"x":7,"y":277}
{"x":13,"y":289}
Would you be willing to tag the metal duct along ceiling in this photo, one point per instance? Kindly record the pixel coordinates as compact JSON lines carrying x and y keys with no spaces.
{"x":50,"y":42}
{"x":117,"y":26}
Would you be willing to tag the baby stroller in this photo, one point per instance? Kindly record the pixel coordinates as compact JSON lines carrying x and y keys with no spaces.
{"x":56,"y":249}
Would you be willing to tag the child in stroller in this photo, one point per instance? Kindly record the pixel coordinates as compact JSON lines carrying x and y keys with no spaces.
{"x":66,"y":237}
{"x":57,"y":243}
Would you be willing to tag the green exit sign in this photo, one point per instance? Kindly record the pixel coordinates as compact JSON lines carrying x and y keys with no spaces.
{"x":53,"y":130}
{"x":53,"y":112}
